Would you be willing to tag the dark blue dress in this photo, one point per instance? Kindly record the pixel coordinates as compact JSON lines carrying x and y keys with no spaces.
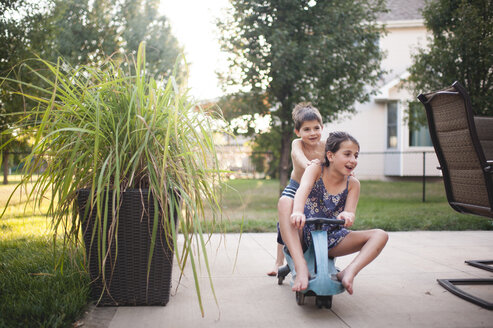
{"x":322,"y":204}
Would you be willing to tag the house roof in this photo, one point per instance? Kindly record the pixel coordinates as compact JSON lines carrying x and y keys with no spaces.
{"x":384,"y":92}
{"x":402,"y":10}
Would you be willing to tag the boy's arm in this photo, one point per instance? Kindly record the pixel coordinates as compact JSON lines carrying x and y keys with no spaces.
{"x":298,"y":157}
{"x":349,"y":213}
{"x":308,"y":179}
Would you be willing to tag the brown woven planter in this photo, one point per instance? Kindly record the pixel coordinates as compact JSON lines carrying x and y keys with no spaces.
{"x":127,"y":284}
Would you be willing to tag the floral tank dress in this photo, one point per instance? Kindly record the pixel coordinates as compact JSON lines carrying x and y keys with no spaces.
{"x":322,"y":204}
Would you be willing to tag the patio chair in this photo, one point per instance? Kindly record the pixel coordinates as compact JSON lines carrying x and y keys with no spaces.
{"x":464,"y":147}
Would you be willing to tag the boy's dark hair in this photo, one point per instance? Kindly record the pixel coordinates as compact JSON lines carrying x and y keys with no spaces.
{"x":304,"y":112}
{"x":334,"y":141}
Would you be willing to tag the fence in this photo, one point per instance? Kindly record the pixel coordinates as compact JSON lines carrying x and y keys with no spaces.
{"x":241,"y":162}
{"x":405,"y":165}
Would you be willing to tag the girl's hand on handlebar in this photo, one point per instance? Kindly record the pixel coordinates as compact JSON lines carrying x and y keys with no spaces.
{"x":348,"y":217}
{"x":298,"y":220}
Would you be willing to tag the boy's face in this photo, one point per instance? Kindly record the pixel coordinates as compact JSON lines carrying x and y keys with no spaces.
{"x":310,"y":132}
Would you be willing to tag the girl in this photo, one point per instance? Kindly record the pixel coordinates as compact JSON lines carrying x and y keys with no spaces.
{"x":328,"y":190}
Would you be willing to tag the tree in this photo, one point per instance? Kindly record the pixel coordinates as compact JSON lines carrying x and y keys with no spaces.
{"x":325,"y":52}
{"x":86,"y":31}
{"x":460,"y":49}
{"x":80,"y":31}
{"x":25,"y":28}
{"x":90,"y":30}
{"x":141,"y":22}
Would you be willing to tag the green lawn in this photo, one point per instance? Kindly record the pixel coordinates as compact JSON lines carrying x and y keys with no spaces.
{"x":392,"y":206}
{"x":33,"y":293}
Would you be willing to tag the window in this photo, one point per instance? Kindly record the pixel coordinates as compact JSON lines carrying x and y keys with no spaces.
{"x":420,"y":137}
{"x":392,"y":124}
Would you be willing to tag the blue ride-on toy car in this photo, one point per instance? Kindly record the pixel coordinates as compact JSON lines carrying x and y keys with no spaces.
{"x":323,"y":283}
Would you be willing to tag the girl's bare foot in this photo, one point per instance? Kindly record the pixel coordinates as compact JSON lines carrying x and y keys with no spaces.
{"x":301,"y":280}
{"x":346,"y":277}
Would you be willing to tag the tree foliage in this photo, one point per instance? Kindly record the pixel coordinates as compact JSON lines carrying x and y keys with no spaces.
{"x":460,"y":49}
{"x":243,"y":103}
{"x":289,"y":51}
{"x":88,"y":31}
{"x":85,"y":30}
{"x":141,"y":22}
{"x":24,"y":28}
{"x":82,"y":32}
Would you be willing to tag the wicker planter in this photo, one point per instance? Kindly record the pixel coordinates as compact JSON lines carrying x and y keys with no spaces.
{"x":128,"y":283}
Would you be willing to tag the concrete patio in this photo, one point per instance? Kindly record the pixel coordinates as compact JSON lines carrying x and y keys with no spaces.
{"x":399,"y":289}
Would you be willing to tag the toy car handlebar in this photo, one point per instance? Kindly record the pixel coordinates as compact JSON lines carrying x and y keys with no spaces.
{"x":324,"y":221}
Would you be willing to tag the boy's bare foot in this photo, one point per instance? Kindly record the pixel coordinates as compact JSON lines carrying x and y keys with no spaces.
{"x":275,"y":269}
{"x":301,"y":280}
{"x":346,"y":277}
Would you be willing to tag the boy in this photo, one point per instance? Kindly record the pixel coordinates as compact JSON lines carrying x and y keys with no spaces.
{"x":305,"y":150}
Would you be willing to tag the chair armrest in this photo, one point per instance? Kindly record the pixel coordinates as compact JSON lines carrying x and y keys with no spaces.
{"x":484,"y":128}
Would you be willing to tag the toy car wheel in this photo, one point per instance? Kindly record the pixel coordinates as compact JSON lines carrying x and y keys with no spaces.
{"x":328,"y":302}
{"x":323,"y":301}
{"x":300,"y":298}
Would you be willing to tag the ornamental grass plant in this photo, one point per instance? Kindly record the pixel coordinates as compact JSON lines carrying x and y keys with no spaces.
{"x":111,"y":128}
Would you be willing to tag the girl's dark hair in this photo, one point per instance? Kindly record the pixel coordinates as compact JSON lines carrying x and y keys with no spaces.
{"x":334,"y":141}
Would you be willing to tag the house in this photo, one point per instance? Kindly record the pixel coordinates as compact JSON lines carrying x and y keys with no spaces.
{"x":389,"y":149}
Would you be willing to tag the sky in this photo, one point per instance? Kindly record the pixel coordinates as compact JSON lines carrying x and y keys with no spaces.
{"x":193,"y":24}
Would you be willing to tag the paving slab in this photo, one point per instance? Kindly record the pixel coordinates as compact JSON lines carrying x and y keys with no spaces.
{"x":398,"y":289}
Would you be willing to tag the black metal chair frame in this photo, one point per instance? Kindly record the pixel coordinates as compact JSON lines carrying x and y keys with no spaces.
{"x":487,"y":167}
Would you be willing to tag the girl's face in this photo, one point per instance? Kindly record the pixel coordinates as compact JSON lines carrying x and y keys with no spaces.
{"x":310,"y":132}
{"x":345,"y":159}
